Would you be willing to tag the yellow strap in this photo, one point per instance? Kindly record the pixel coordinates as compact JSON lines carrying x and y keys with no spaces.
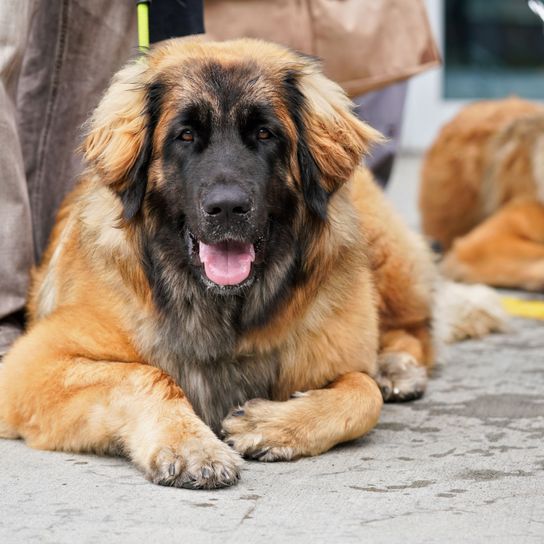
{"x":143,"y":26}
{"x":531,"y":309}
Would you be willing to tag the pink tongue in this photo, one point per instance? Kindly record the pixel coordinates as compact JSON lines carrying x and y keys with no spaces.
{"x":227,"y":263}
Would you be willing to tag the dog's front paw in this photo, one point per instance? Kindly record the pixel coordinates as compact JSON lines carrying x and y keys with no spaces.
{"x":196,"y":463}
{"x":400,"y":377}
{"x":260,"y":430}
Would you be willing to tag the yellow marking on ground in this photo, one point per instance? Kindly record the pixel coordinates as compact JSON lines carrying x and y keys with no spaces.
{"x":530,"y":309}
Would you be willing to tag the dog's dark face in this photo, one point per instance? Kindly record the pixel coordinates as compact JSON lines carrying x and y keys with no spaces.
{"x":225,"y":174}
{"x":225,"y":157}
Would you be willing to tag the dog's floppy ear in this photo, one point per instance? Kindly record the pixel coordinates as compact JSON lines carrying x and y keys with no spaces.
{"x":331,"y":139}
{"x":119,"y":139}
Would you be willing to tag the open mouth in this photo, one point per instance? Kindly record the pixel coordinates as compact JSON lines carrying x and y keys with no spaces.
{"x":228,"y":263}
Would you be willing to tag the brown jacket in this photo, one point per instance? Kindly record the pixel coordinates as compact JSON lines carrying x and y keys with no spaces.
{"x":364,"y":44}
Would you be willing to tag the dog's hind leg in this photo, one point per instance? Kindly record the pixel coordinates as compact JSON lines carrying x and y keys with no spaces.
{"x":406,"y":280}
{"x":58,"y":399}
{"x":309,"y":423}
{"x":506,"y":250}
{"x":405,"y":277}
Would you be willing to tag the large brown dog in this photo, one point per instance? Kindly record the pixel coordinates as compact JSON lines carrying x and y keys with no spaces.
{"x":482,"y":194}
{"x":224,"y":265}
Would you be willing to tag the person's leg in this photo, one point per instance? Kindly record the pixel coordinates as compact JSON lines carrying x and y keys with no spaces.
{"x":75,"y":47}
{"x":16,"y":248}
{"x":383,"y":110}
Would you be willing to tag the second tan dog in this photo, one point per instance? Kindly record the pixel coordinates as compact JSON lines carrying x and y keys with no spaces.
{"x":482,"y":194}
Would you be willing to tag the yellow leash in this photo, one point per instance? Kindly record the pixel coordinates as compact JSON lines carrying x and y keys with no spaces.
{"x":530,"y":309}
{"x":143,"y":25}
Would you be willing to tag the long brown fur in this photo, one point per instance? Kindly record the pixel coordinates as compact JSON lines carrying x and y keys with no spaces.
{"x":482,"y":194}
{"x":95,"y":371}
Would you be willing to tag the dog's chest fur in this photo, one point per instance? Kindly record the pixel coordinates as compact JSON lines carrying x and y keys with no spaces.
{"x":196,"y":346}
{"x":216,"y":387}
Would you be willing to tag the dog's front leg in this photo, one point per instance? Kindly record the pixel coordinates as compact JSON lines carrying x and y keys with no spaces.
{"x":308,"y":424}
{"x":78,"y":404}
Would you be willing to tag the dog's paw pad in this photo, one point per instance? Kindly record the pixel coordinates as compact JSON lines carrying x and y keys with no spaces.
{"x":400,"y":377}
{"x":196,"y":465}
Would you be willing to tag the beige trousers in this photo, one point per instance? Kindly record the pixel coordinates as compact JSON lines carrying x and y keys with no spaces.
{"x":56,"y":58}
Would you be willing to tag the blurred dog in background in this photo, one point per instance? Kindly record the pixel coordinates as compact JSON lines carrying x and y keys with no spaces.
{"x":482,"y":194}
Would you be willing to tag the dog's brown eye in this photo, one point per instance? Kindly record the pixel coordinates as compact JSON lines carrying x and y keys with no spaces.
{"x":187,"y":135}
{"x":263,"y":134}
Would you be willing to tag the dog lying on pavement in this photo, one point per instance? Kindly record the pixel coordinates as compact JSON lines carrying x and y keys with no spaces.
{"x":224,"y":268}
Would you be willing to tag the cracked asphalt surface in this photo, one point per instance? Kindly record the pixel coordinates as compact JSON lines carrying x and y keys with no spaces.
{"x":463,"y":464}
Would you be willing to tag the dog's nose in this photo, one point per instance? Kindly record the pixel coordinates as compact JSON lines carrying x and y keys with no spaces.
{"x":226,"y":202}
